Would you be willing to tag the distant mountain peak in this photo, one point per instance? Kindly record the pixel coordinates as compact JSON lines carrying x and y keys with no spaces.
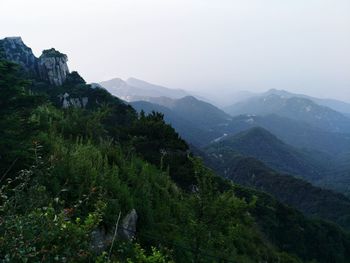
{"x":134,"y":89}
{"x":277,"y":92}
{"x":300,"y":108}
{"x":189,"y":98}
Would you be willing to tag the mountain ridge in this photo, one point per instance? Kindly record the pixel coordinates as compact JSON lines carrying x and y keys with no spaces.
{"x":300,"y":109}
{"x":259,"y":143}
{"x":83,"y":166}
{"x":134,"y":89}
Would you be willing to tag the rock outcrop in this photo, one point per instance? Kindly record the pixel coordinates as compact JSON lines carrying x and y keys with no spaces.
{"x":51,"y":66}
{"x":67,"y":101}
{"x":101,"y":239}
{"x":127,"y":230}
{"x":16,"y":51}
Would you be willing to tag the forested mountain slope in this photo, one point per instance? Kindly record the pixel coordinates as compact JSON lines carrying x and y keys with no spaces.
{"x":312,"y":201}
{"x":75,"y":160}
{"x":264,"y":146}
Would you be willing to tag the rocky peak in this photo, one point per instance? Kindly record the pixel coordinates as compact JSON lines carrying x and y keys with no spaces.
{"x":16,"y":51}
{"x":53,"y":67}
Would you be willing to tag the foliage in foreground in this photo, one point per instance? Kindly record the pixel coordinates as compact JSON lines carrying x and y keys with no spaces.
{"x":77,"y":169}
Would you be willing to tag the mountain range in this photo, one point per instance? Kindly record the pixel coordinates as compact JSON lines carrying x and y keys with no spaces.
{"x":75,"y":159}
{"x":291,"y":144}
{"x":337,"y":105}
{"x":296,"y":108}
{"x":266,"y":147}
{"x":134,"y":89}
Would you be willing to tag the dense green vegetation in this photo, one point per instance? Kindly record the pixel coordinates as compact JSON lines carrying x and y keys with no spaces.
{"x":189,"y":130}
{"x":68,"y":172}
{"x":312,"y":201}
{"x":53,"y":53}
{"x":264,"y":146}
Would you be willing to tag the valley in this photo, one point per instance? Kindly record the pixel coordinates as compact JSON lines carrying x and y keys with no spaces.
{"x":181,"y":172}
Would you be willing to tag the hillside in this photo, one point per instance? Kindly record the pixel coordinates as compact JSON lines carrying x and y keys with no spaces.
{"x":297,"y":193}
{"x":87,"y":179}
{"x":197,"y":121}
{"x":187,"y":129}
{"x":264,"y":146}
{"x":201,"y":113}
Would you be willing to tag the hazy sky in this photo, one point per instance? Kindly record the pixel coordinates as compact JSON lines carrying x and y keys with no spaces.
{"x":201,"y":45}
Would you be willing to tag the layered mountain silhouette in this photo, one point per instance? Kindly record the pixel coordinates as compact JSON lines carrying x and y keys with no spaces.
{"x":294,"y":132}
{"x":94,"y":143}
{"x":188,"y":129}
{"x":296,"y":108}
{"x":266,"y":147}
{"x":197,"y":121}
{"x":337,"y":105}
{"x":134,"y":89}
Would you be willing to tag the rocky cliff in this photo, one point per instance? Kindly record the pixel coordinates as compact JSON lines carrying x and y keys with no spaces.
{"x":15,"y":50}
{"x":50,"y":67}
{"x":53,"y":67}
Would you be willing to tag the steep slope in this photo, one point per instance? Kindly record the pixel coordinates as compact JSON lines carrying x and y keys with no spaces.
{"x":311,"y":200}
{"x":187,"y":129}
{"x":202,"y":114}
{"x":86,"y":169}
{"x":296,"y":108}
{"x":264,"y":146}
{"x":287,"y":228}
{"x":50,"y":67}
{"x":197,"y":121}
{"x":338,"y":175}
{"x":88,"y":165}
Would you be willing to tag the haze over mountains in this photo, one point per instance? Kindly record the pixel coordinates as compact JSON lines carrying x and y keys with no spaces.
{"x":82,"y":156}
{"x":133,"y":89}
{"x":300,"y":135}
{"x":297,"y":108}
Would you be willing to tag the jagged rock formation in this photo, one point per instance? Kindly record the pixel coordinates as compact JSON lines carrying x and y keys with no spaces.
{"x":15,"y":50}
{"x":51,"y":66}
{"x":67,"y":101}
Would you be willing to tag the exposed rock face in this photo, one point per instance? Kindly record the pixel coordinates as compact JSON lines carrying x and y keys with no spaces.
{"x":16,"y":51}
{"x":67,"y":101}
{"x":53,"y":67}
{"x":127,"y":229}
{"x":101,"y":239}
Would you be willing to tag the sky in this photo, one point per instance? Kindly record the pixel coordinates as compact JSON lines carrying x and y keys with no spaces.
{"x":207,"y":46}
